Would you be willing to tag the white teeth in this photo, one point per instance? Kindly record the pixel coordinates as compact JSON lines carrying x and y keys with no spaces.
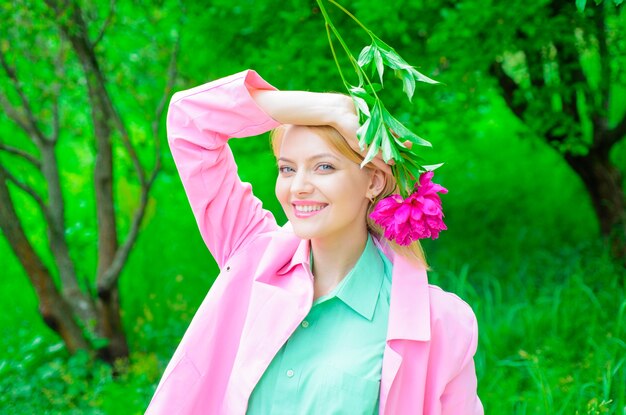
{"x":308,"y":208}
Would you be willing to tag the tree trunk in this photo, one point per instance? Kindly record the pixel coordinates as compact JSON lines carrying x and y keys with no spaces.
{"x":54,"y":309}
{"x":603,"y":182}
{"x":103,"y":117}
{"x":81,"y":303}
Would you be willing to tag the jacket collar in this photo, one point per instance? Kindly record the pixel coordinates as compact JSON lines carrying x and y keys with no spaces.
{"x":301,"y":256}
{"x":409,"y":313}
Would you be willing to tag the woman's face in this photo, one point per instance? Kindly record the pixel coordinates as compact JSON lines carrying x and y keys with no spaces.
{"x":323,"y":194}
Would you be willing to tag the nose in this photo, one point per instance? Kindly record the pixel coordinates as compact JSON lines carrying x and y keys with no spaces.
{"x":301,"y":183}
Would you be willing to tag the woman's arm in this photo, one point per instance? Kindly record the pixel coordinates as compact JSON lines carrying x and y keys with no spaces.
{"x":199,"y":123}
{"x":309,"y":108}
{"x":315,"y":108}
{"x":460,"y":395}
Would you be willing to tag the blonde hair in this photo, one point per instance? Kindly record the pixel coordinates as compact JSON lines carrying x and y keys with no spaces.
{"x":412,"y":252}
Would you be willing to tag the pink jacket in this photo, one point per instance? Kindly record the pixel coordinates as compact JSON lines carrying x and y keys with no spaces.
{"x":264,"y":291}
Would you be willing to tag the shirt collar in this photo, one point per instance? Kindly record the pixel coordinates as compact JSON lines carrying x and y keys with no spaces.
{"x":360,"y":287}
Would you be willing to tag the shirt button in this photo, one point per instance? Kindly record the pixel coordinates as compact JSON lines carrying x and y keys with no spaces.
{"x":305,"y":324}
{"x":290,"y":373}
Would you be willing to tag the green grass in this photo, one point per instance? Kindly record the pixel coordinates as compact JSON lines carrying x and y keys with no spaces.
{"x":551,"y":340}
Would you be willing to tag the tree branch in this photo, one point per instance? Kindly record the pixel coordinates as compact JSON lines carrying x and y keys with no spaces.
{"x":53,"y":308}
{"x":110,"y":277}
{"x":26,"y":188}
{"x":28,"y":119}
{"x":172,"y":73}
{"x":59,"y":61}
{"x":23,"y":154}
{"x":19,"y":118}
{"x":106,"y":24}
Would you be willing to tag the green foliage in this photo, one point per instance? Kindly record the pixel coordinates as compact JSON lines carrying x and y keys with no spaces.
{"x":380,"y":132}
{"x":47,"y":381}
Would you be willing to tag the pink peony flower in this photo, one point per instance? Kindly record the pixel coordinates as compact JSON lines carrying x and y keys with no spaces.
{"x":418,"y":216}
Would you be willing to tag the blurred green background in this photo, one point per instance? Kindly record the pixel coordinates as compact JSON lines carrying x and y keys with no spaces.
{"x":523,"y":246}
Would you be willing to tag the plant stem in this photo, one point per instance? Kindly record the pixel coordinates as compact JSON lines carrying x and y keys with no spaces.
{"x":330,"y":24}
{"x":332,"y":49}
{"x":343,"y":9}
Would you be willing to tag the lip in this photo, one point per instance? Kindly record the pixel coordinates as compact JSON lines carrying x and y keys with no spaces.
{"x":304,"y":215}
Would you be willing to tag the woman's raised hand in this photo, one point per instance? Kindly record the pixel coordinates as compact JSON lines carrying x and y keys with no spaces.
{"x":315,"y":108}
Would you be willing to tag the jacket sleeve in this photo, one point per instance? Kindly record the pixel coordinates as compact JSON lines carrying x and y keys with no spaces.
{"x":460,"y":395}
{"x":199,"y":123}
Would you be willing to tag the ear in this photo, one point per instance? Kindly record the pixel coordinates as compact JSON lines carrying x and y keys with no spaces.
{"x":377,"y":183}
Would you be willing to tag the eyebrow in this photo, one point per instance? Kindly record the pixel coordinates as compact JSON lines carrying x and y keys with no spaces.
{"x":315,"y":157}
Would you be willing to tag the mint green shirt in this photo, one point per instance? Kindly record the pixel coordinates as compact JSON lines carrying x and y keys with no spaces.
{"x":332,"y":363}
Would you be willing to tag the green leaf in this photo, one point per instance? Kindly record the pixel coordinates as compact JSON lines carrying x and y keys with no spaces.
{"x":402,"y":131}
{"x":375,"y":87}
{"x":361,"y":105}
{"x":388,"y":146}
{"x":385,"y":144}
{"x":357,"y":91}
{"x":367,"y":132}
{"x":580,"y":5}
{"x":404,"y":182}
{"x":380,"y":67}
{"x":618,"y":2}
{"x":421,"y":77}
{"x":394,"y":60}
{"x":372,"y":151}
{"x":413,"y":171}
{"x":432,"y":167}
{"x":408,"y":83}
{"x":361,"y":78}
{"x":366,"y":56}
{"x":399,"y":173}
{"x":394,"y":149}
{"x":362,"y":132}
{"x":375,"y":123}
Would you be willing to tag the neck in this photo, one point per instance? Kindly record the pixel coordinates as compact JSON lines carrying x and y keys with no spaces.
{"x":333,"y":258}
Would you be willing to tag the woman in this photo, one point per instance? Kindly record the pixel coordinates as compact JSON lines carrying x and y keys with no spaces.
{"x":319,"y":316}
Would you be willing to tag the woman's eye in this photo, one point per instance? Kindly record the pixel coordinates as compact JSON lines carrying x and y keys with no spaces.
{"x":285,"y":169}
{"x":326,"y":167}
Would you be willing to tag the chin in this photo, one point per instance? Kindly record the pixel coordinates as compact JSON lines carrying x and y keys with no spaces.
{"x":305,"y":232}
{"x":302,"y":234}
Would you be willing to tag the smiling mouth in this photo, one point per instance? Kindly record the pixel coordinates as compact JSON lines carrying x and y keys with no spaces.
{"x":305,"y":211}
